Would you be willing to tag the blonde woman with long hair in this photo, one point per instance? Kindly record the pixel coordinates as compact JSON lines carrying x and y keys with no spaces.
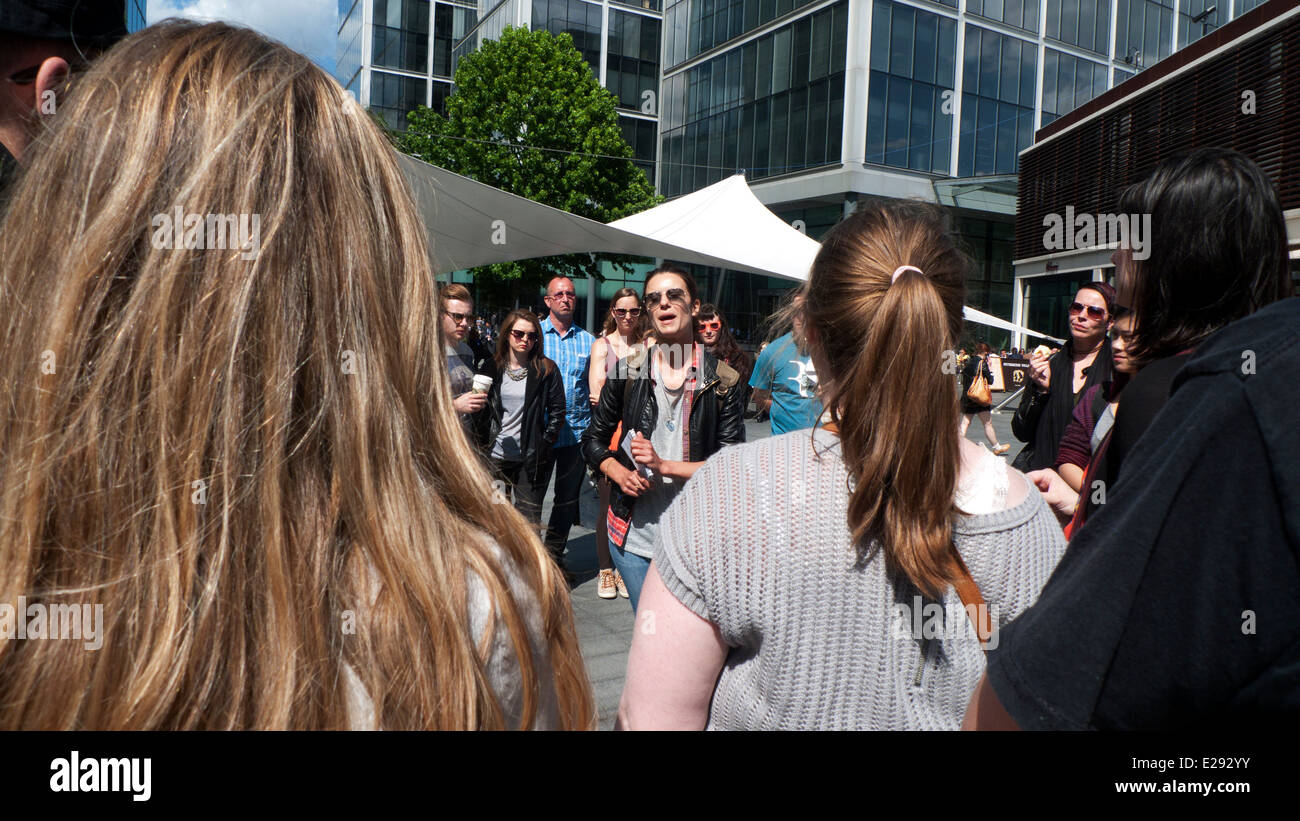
{"x":835,"y":579}
{"x":243,"y":453}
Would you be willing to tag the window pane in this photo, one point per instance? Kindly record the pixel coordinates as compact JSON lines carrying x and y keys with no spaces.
{"x":926,"y":47}
{"x":922,"y":124}
{"x":900,"y":41}
{"x":880,"y":37}
{"x":876,"y":118}
{"x":944,"y":74}
{"x":989,"y":64}
{"x":897,"y":117}
{"x":781,"y":61}
{"x":1010,"y":69}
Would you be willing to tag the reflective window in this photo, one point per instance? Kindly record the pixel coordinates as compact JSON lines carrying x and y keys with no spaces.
{"x":1069,"y":82}
{"x":450,"y":25}
{"x":1019,"y":13}
{"x":393,"y":96}
{"x":1143,"y":31}
{"x":1084,"y":23}
{"x":997,"y":107}
{"x":772,"y":106}
{"x":909,"y":117}
{"x":401,"y":34}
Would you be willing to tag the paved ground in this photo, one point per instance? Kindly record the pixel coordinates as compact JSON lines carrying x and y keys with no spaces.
{"x":605,"y":625}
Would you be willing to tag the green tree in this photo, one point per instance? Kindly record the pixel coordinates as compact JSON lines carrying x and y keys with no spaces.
{"x":529,"y":117}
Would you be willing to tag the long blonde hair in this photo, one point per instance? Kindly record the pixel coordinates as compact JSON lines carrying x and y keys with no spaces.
{"x":237,"y":455}
{"x":885,"y":343}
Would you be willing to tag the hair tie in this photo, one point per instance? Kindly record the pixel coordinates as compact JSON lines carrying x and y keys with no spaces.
{"x":900,"y":269}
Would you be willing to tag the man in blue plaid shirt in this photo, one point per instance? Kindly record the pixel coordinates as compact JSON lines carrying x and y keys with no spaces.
{"x":570,"y":348}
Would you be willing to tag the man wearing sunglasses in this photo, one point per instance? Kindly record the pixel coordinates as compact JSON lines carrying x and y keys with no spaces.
{"x":41,"y":42}
{"x":463,"y":363}
{"x":1058,"y":380}
{"x":569,"y":347}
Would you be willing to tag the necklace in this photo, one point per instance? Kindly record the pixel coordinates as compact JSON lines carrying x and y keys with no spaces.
{"x":517,"y":374}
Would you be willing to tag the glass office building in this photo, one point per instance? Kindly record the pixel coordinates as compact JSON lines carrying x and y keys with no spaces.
{"x":825,"y":103}
{"x":1083,"y":159}
{"x":394,"y":55}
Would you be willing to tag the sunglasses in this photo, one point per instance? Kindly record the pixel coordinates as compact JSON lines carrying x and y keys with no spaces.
{"x":24,"y":77}
{"x":673,"y":294}
{"x":459,"y":318}
{"x":627,"y":312}
{"x":522,"y":335}
{"x":1093,"y":311}
{"x":711,"y":325}
{"x":562,"y":295}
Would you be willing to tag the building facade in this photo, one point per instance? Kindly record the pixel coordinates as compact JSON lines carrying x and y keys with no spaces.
{"x":395,"y":55}
{"x":820,"y":103}
{"x":1237,"y":88}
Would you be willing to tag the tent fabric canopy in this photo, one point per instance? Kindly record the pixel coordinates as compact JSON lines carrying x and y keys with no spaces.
{"x":723,"y":226}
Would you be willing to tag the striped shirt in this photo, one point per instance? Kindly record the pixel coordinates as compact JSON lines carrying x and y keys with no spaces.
{"x":571,"y":352}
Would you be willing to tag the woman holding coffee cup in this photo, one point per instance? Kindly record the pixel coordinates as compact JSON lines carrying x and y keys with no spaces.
{"x":525,"y":410}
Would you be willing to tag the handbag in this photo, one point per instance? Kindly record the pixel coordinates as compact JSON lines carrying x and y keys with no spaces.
{"x":978,"y":391}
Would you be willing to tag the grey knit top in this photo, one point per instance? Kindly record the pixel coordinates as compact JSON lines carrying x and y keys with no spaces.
{"x":757,"y":543}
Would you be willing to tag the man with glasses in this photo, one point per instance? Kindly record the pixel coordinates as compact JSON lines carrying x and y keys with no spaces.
{"x":457,"y":318}
{"x":569,"y":346}
{"x":1058,"y":380}
{"x":41,"y":43}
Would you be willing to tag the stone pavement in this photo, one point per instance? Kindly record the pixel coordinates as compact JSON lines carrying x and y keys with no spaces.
{"x":605,"y":625}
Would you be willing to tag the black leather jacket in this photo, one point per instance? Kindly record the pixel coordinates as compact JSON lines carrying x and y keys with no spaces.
{"x":543,"y":415}
{"x":717,"y":416}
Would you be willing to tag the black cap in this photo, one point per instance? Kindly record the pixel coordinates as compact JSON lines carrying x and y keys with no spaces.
{"x":95,"y":23}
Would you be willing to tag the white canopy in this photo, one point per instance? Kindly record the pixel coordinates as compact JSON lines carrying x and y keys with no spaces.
{"x":723,"y":225}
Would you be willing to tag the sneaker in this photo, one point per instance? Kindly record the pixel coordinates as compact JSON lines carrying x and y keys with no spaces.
{"x":605,"y":587}
{"x":1001,"y":449}
{"x":618,"y":581}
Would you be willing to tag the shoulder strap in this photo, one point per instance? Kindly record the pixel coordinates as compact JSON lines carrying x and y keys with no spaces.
{"x":976,"y":609}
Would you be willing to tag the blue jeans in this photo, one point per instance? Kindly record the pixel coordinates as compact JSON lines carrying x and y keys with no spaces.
{"x":632,"y":568}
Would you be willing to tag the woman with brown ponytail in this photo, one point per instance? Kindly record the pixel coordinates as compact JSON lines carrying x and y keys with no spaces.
{"x":834,"y":579}
{"x":245,"y":455}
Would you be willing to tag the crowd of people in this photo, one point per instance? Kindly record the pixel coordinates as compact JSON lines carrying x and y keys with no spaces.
{"x":282,"y":472}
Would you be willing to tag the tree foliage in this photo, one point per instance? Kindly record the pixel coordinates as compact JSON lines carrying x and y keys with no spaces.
{"x":529,"y":117}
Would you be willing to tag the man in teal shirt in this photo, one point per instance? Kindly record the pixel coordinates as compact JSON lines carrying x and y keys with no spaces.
{"x":785,"y":381}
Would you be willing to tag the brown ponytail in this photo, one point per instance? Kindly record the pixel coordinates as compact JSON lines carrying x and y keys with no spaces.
{"x":883,"y":346}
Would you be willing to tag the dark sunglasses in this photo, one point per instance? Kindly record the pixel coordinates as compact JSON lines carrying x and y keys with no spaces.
{"x":529,"y":335}
{"x":626,"y":312}
{"x":712,"y":325}
{"x":1093,"y":311}
{"x":458,"y":318}
{"x":25,"y":77}
{"x":673,"y":294}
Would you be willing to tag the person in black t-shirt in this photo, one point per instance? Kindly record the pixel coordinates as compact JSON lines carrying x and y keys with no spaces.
{"x":1220,"y":255}
{"x":1178,"y":603}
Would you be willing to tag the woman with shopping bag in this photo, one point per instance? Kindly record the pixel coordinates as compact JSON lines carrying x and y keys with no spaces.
{"x":977,"y":397}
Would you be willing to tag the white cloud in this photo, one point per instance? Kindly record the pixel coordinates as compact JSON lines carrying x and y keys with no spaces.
{"x":307,"y":26}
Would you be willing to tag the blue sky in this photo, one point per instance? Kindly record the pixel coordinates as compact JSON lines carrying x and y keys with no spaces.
{"x":308,"y":26}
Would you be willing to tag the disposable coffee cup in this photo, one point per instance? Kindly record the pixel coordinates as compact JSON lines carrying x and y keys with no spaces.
{"x":482,"y":383}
